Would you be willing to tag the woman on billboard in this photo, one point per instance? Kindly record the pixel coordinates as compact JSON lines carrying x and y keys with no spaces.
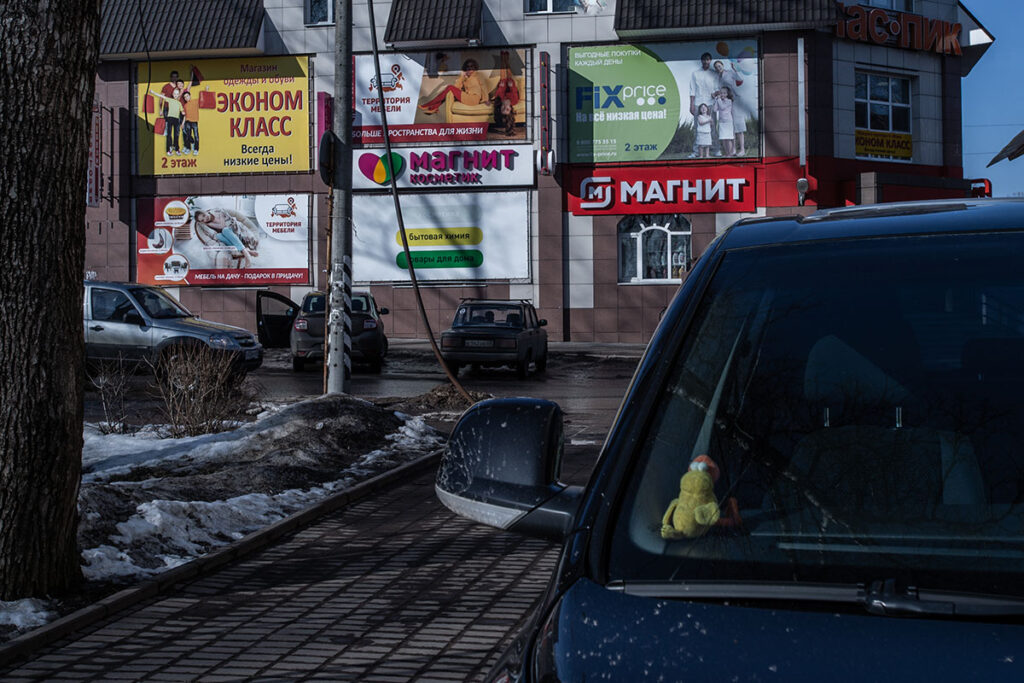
{"x":470,"y":88}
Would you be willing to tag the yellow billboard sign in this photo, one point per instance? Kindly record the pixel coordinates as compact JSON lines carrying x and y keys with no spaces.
{"x":877,"y":143}
{"x":245,"y":115}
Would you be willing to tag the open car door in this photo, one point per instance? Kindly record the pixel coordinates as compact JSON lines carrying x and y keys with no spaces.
{"x":274,"y":316}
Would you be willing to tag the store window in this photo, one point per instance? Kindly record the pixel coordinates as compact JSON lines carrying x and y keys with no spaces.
{"x":654,"y":248}
{"x":535,"y":6}
{"x":882,"y":104}
{"x":319,"y":11}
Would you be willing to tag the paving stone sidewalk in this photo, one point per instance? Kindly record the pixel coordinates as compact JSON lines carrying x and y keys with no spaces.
{"x":391,"y":588}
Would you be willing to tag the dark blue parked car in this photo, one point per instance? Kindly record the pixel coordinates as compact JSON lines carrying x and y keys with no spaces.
{"x":817,"y":472}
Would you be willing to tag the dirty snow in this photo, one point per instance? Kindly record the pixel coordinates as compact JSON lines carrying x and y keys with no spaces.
{"x":148,"y":504}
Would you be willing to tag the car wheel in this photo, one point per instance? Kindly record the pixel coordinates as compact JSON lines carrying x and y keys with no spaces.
{"x":523,"y":367}
{"x":298,"y":363}
{"x":454,"y":369}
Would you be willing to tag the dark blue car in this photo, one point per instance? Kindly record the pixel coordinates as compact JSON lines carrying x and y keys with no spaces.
{"x":817,"y":472}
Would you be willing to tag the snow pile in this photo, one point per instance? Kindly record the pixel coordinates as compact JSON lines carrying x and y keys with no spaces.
{"x":25,"y":614}
{"x":147,"y":511}
{"x":149,"y":504}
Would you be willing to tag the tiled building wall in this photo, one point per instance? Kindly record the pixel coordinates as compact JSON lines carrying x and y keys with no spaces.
{"x":108,"y":238}
{"x":930,"y":93}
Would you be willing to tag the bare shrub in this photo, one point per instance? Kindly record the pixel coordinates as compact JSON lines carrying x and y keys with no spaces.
{"x":200,"y":391}
{"x":110,"y":379}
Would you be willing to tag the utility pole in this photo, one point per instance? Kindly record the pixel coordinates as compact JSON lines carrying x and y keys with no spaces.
{"x":339,"y":320}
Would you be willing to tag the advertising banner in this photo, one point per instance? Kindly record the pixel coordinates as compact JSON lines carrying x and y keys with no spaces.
{"x":225,"y":240}
{"x":663,"y":101}
{"x":469,"y":236}
{"x":650,"y":190}
{"x":443,"y":96}
{"x":223,"y":116}
{"x":444,"y":167}
{"x":878,"y":143}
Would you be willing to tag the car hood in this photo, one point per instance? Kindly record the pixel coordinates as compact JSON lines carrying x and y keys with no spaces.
{"x":197,"y":326}
{"x":596,"y":631}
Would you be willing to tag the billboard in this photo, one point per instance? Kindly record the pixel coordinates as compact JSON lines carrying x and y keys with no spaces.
{"x":468,"y":236}
{"x":444,"y":167}
{"x":224,"y":240}
{"x":653,"y":190}
{"x":443,"y":96}
{"x":223,"y":116}
{"x":664,"y":101}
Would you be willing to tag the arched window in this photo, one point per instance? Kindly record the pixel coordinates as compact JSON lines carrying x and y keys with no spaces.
{"x":654,"y":248}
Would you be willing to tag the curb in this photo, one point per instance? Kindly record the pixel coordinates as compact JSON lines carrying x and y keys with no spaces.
{"x":27,"y":643}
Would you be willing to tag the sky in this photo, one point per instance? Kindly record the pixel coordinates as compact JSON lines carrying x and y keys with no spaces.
{"x":993,"y":97}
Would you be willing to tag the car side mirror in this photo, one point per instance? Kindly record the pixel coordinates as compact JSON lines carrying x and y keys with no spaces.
{"x":134,"y":318}
{"x":383,"y":311}
{"x":542,"y":322}
{"x":501,"y":467}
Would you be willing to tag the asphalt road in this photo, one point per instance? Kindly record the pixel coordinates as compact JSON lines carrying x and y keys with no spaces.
{"x":391,"y":588}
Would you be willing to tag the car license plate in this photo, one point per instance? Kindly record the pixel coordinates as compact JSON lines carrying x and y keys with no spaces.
{"x":252,"y":353}
{"x":480,"y":342}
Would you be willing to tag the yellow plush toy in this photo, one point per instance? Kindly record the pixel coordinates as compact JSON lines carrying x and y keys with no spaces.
{"x":695,"y":510}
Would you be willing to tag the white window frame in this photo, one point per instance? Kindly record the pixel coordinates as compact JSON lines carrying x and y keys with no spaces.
{"x":676,"y":270}
{"x":309,"y":13}
{"x":869,"y":100}
{"x":549,"y":4}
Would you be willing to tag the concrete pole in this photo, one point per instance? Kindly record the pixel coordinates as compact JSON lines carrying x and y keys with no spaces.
{"x":339,"y":321}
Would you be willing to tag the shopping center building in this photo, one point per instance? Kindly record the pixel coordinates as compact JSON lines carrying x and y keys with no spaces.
{"x":577,"y":153}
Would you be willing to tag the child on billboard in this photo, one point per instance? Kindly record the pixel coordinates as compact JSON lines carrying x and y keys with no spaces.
{"x":703,"y":140}
{"x":172,"y":114}
{"x":506,"y":96}
{"x":723,"y":110}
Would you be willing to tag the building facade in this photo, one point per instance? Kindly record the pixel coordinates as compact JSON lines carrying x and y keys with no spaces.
{"x":577,"y":153}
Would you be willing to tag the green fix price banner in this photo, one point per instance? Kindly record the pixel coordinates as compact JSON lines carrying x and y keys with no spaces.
{"x":643,"y":102}
{"x":469,"y":236}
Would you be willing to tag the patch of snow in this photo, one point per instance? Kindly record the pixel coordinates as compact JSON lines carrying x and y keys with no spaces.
{"x":24,"y":614}
{"x":162,"y":534}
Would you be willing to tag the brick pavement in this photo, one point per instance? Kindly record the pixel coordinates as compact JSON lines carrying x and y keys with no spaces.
{"x":390,"y":588}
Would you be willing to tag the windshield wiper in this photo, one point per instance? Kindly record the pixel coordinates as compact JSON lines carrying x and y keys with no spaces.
{"x":886,"y":597}
{"x":883,"y":597}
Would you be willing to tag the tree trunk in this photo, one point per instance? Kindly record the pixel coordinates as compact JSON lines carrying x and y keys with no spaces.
{"x":48,"y":59}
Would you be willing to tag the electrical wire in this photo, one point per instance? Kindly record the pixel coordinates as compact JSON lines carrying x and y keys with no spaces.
{"x":398,"y":211}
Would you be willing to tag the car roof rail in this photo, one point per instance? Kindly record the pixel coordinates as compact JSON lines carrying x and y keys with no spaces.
{"x":464,"y":299}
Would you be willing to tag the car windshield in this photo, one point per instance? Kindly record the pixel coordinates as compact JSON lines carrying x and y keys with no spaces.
{"x":158,"y":303}
{"x":489,"y":315}
{"x":862,"y":405}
